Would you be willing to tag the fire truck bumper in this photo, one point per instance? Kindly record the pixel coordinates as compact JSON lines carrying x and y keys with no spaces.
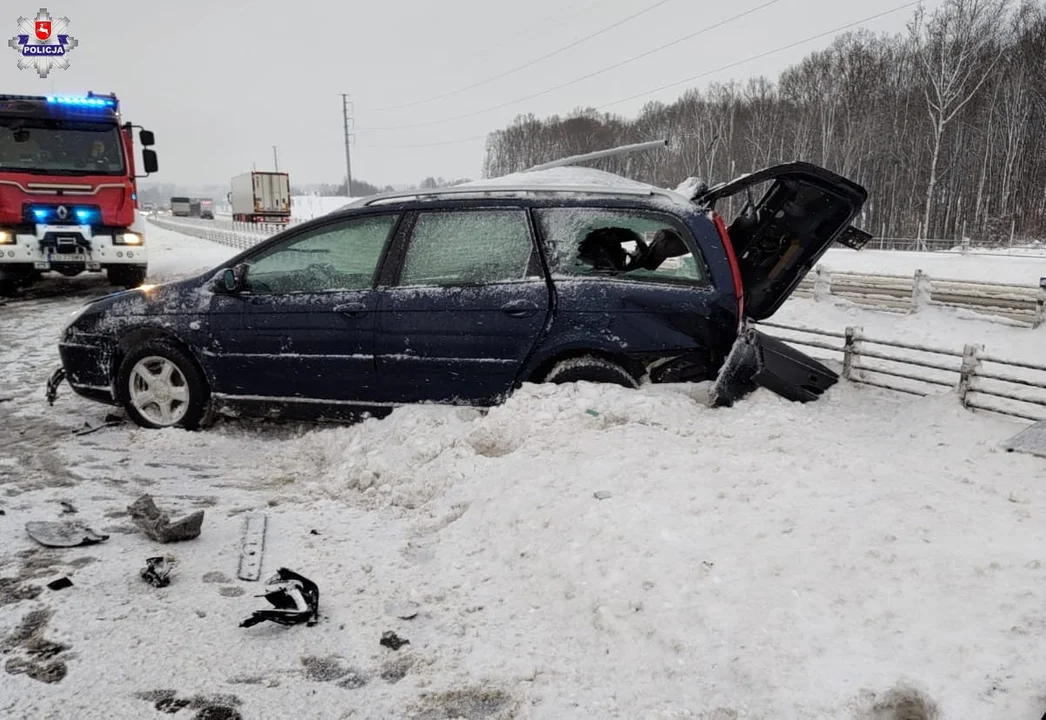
{"x":68,"y":248}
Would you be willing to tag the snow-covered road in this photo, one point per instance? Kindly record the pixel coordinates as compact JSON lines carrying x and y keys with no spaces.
{"x":859,"y":557}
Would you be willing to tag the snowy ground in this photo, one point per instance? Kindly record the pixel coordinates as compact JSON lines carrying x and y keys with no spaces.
{"x":307,"y":207}
{"x":858,"y":557}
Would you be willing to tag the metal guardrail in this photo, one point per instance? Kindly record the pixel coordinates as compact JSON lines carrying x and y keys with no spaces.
{"x":223,"y":232}
{"x":1019,"y":303}
{"x":980,"y":380}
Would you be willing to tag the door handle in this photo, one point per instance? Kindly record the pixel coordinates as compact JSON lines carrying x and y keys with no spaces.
{"x":519,"y":308}
{"x":351,"y":309}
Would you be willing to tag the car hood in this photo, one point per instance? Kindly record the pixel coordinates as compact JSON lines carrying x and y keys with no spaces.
{"x":102,"y":314}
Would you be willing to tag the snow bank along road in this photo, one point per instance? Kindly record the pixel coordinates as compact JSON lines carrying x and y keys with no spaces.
{"x":866,"y":556}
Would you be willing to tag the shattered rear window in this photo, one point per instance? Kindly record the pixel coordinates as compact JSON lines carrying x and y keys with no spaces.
{"x":627,"y":244}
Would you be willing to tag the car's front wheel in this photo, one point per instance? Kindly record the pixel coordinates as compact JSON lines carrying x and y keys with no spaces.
{"x":160,"y":386}
{"x":591,"y":369}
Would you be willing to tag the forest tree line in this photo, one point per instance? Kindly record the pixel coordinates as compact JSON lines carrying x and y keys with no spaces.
{"x":944,"y":124}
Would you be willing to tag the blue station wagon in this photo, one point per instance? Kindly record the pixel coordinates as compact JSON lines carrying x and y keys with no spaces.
{"x":462,"y":294}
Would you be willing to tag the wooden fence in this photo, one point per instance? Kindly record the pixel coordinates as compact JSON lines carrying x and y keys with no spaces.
{"x":981,"y":380}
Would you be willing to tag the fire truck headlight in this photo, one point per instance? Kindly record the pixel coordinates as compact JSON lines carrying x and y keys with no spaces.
{"x":129,"y":238}
{"x":6,"y":237}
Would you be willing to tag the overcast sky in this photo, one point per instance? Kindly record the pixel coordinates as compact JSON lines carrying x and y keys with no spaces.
{"x":220,"y":85}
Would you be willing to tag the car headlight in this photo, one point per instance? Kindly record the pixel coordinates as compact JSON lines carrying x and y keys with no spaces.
{"x":6,"y":237}
{"x":73,"y":317}
{"x":128,"y":238}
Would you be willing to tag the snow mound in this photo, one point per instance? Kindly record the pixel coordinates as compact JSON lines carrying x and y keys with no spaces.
{"x":420,"y":452}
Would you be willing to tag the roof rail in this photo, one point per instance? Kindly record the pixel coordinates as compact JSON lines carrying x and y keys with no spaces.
{"x":600,"y":154}
{"x":503,"y":190}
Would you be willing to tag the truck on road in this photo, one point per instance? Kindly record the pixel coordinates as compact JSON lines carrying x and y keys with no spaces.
{"x":181,"y":206}
{"x":261,"y":197}
{"x":68,"y":190}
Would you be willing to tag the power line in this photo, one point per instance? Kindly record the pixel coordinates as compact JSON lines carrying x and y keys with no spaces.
{"x":426,"y":145}
{"x":473,"y":57}
{"x":583,"y":77}
{"x":530,"y":63}
{"x":762,"y":55}
{"x":691,"y":78}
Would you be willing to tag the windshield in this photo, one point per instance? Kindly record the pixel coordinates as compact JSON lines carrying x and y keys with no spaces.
{"x":40,"y":145}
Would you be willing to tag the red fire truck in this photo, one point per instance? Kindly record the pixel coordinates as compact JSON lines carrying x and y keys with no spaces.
{"x":68,"y":190}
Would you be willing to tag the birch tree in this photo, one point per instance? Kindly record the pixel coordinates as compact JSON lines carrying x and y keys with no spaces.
{"x":951,"y":47}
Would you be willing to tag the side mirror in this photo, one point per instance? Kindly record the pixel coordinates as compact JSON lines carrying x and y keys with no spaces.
{"x":234,"y":279}
{"x":146,"y":138}
{"x":149,"y":163}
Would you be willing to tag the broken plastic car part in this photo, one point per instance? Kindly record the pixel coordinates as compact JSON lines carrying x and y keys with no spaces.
{"x":157,"y":571}
{"x":159,"y":527}
{"x":57,"y":377}
{"x":761,"y":360}
{"x":63,"y":534}
{"x":296,"y":599}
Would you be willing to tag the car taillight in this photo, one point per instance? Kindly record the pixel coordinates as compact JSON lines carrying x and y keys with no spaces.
{"x":734,"y":267}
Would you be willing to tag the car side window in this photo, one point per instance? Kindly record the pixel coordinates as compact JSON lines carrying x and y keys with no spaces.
{"x":468,"y":247}
{"x":340,"y":256}
{"x":625,"y":244}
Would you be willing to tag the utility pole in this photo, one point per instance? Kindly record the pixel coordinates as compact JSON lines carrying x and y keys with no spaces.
{"x":275,"y":159}
{"x":345,"y":110}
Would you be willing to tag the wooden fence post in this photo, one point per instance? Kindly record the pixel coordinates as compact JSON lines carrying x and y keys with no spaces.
{"x":851,"y":351}
{"x":971,"y":361}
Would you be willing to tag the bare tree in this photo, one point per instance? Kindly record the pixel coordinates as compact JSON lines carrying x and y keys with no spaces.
{"x":942,"y":124}
{"x":956,"y":51}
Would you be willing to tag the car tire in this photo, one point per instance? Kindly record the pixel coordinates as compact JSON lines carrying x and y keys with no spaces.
{"x":159,"y":386}
{"x":127,"y":277}
{"x":589,"y":368}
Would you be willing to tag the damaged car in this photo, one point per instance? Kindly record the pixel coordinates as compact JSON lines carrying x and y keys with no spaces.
{"x":459,"y":295}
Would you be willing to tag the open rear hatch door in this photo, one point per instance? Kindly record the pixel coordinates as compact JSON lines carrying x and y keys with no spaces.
{"x":777,"y":240}
{"x":780,"y":237}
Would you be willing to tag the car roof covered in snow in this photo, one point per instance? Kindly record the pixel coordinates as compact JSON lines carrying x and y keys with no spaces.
{"x":539,"y":183}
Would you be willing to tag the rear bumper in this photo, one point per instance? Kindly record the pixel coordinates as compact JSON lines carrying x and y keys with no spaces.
{"x":77,"y":246}
{"x":759,"y":360}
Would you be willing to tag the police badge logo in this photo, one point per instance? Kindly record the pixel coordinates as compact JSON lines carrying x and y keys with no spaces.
{"x":43,"y":46}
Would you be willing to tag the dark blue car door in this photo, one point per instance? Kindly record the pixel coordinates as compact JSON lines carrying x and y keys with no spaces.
{"x":307,"y":319}
{"x":465,"y":303}
{"x":634,"y":281}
